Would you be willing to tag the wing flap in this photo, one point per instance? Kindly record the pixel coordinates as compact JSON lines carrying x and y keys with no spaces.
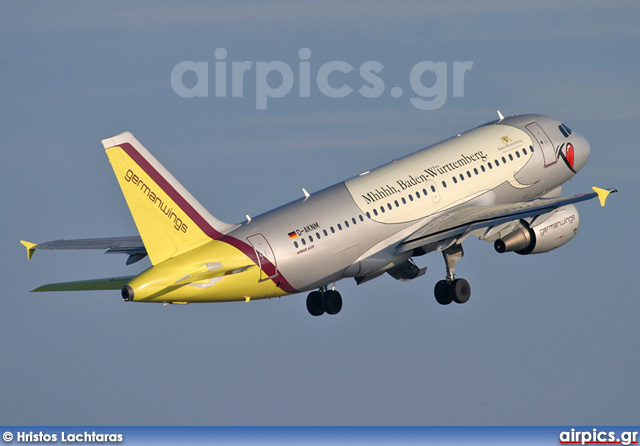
{"x":109,"y":283}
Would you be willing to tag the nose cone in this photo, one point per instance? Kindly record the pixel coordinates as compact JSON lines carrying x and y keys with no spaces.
{"x":582,"y":150}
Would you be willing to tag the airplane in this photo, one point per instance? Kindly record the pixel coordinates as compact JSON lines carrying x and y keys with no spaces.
{"x":500,"y":182}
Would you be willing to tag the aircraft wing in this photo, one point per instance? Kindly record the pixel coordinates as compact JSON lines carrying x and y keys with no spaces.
{"x":132,"y":246}
{"x":453,"y":226}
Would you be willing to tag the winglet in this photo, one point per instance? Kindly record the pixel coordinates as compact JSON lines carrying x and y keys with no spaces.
{"x":31,"y":247}
{"x":603,"y":194}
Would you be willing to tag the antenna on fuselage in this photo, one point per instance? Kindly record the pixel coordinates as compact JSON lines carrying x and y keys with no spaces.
{"x":306,"y":194}
{"x":500,"y":116}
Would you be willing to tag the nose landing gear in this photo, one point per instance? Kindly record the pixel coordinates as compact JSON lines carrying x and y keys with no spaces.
{"x":324,"y":301}
{"x":452,"y":289}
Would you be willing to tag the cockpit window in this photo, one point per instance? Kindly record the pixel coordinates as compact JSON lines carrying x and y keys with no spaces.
{"x":566,"y":131}
{"x":563,"y":131}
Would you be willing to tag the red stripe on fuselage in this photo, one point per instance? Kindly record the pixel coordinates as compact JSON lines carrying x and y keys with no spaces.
{"x":170,"y":191}
{"x":268,"y":268}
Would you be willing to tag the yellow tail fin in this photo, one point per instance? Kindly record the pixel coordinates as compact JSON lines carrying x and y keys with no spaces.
{"x":169,"y":219}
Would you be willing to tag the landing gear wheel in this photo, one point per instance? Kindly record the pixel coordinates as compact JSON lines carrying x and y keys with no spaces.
{"x":314,"y":303}
{"x":332,"y":302}
{"x":443,"y":292}
{"x":460,"y":291}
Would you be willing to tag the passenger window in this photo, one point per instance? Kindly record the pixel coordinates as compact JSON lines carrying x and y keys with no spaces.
{"x":310,"y":239}
{"x":333,"y":231}
{"x":295,"y":244}
{"x":482,"y":168}
{"x":433,"y":188}
{"x":382,"y":209}
{"x":317,"y":235}
{"x":410,"y":197}
{"x":510,"y":157}
{"x":304,"y":242}
{"x":417,"y":194}
{"x":368,"y":215}
{"x":396,"y":203}
{"x":517,"y":154}
{"x":531,"y":148}
{"x":455,"y":180}
{"x":339,"y":227}
{"x":504,"y":161}
{"x":353,"y":220}
{"x":444,"y":184}
{"x":475,"y":170}
{"x":468,"y":174}
{"x":497,"y":162}
{"x":461,"y":177}
{"x":360,"y":217}
{"x":524,"y":151}
{"x":324,"y":231}
{"x":389,"y":206}
{"x":424,"y":191}
{"x":375,"y":212}
{"x":404,"y":201}
{"x":346,"y":224}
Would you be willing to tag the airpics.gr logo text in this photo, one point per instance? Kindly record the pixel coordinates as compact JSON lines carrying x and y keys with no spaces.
{"x":178,"y":224}
{"x":333,"y":79}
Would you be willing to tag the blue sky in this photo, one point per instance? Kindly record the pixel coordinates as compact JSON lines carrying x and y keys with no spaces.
{"x":548,"y":339}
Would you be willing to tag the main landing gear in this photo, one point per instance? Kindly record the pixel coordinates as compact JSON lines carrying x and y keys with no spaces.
{"x":452,"y":289}
{"x":324,"y":301}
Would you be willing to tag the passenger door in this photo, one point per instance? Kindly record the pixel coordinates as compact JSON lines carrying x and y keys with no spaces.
{"x":544,"y":143}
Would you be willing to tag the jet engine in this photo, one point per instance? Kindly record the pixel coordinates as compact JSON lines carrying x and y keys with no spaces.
{"x":545,"y":233}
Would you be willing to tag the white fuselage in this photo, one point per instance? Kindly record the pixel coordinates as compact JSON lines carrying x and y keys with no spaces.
{"x":352,"y":228}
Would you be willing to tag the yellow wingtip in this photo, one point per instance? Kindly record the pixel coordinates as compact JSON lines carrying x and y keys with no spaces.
{"x":602,"y":194}
{"x":31,"y":247}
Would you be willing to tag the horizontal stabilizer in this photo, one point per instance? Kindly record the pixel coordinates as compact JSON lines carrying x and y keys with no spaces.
{"x":109,"y":283}
{"x":211,"y":271}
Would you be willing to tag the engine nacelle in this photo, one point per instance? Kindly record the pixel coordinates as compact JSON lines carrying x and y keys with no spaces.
{"x":547,"y":232}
